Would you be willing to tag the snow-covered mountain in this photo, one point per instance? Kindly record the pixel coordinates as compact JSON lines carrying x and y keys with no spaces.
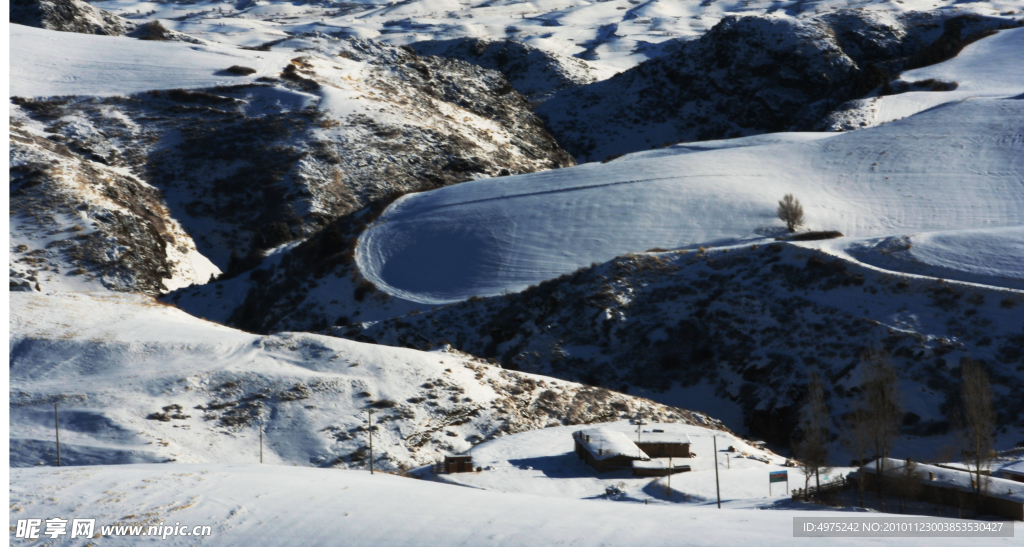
{"x":936,"y":195}
{"x":751,"y":75}
{"x":534,"y":72}
{"x":251,"y":149}
{"x":139,"y":381}
{"x":68,"y":16}
{"x":953,"y":162}
{"x":227,"y":218}
{"x":735,"y":331}
{"x":609,"y":35}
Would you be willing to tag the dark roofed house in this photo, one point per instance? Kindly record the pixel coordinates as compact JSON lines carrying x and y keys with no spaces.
{"x":664,"y":445}
{"x":607,"y":450}
{"x":458,"y":464}
{"x":1013,"y":471}
{"x":951,"y":486}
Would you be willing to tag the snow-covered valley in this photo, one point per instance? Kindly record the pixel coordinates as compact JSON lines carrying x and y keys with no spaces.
{"x":240,"y":231}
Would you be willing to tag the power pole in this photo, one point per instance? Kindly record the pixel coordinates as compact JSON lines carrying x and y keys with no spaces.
{"x":670,"y":471}
{"x":56,"y":432}
{"x":369,"y":432}
{"x":639,"y":424}
{"x":718,"y":491}
{"x":261,"y":443}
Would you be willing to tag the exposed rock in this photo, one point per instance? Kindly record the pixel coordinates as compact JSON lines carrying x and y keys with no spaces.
{"x":750,"y":75}
{"x":68,"y":16}
{"x":247,"y":168}
{"x":533,"y":72}
{"x":75,"y":216}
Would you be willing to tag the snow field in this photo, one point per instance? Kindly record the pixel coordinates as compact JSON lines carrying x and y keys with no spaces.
{"x":259,"y":505}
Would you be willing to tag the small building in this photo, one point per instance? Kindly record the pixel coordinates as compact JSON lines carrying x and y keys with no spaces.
{"x":606,"y":450}
{"x":663,"y":445}
{"x":947,"y":486}
{"x":657,"y":468}
{"x":458,"y":464}
{"x":1011,"y":472}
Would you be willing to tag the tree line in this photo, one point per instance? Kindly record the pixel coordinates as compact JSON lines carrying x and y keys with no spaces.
{"x":872,"y":429}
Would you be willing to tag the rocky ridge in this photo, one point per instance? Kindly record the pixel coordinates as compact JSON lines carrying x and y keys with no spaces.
{"x":751,"y":75}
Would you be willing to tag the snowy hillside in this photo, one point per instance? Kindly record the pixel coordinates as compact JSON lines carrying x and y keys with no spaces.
{"x":238,"y":230}
{"x":269,"y":146}
{"x":610,"y":36}
{"x":137,"y":381}
{"x":735,"y":332}
{"x":753,"y":75}
{"x":959,"y":166}
{"x":534,"y":72}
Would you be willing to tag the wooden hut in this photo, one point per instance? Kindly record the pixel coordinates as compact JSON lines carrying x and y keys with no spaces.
{"x":458,"y":464}
{"x":663,"y":445}
{"x":606,"y":450}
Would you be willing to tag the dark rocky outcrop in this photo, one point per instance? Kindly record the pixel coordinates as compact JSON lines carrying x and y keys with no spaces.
{"x":533,"y":72}
{"x":68,"y":16}
{"x":747,"y":324}
{"x":750,"y":75}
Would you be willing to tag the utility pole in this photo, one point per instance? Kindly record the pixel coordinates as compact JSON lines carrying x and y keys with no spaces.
{"x":261,"y":443}
{"x":369,"y":432}
{"x":639,"y":424}
{"x":718,"y":491}
{"x":56,"y":431}
{"x":670,"y":471}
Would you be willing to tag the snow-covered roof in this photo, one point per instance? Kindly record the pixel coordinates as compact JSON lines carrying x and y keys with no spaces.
{"x":1016,"y":468}
{"x":664,"y":437}
{"x":660,"y":463}
{"x":951,"y":478}
{"x":604,"y":443}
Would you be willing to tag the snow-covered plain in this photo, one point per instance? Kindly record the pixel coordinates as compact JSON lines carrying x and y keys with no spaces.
{"x":957,"y":166}
{"x":273,"y":505}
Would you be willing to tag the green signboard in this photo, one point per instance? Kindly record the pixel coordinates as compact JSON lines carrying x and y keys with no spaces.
{"x":778,"y":476}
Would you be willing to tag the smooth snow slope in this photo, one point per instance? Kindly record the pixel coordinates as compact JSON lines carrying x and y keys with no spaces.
{"x":45,"y":63}
{"x":956,"y":166}
{"x":983,"y":69}
{"x":283,"y":506}
{"x":988,"y":256}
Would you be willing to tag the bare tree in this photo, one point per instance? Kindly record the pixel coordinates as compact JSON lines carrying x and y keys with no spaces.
{"x":907,"y":484}
{"x":791,"y":212}
{"x":884,"y":406}
{"x":974,"y":424}
{"x":815,"y":425}
{"x":857,"y":438}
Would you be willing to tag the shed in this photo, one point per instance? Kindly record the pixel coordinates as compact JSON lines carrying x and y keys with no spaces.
{"x":606,"y":449}
{"x":458,"y":464}
{"x":657,"y":468}
{"x":948,"y":486}
{"x":1012,"y":472}
{"x":663,"y":445}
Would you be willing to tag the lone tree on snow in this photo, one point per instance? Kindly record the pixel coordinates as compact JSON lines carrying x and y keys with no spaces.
{"x":791,"y":212}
